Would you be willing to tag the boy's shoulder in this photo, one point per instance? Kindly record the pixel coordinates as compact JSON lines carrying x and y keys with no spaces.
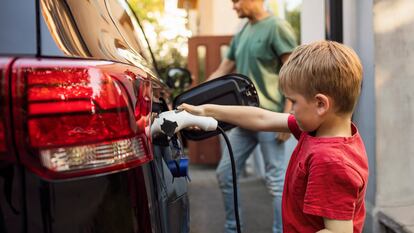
{"x":324,"y":153}
{"x":343,"y":153}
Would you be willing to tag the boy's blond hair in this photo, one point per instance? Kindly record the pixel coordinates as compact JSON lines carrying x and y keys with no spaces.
{"x":324,"y":67}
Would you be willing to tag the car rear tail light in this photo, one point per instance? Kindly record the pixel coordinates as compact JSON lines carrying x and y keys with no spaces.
{"x":94,"y":155}
{"x":81,"y":117}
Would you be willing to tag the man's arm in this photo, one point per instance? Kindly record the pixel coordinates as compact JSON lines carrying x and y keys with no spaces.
{"x":337,"y":226}
{"x":226,"y":66}
{"x":247,"y":117}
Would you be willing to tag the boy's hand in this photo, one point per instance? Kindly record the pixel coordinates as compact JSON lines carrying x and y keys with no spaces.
{"x":337,"y":226}
{"x":195,"y":110}
{"x":282,"y":137}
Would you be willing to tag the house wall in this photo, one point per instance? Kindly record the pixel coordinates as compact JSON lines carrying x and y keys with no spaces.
{"x":312,"y":19}
{"x":394,"y":59}
{"x":216,"y":17}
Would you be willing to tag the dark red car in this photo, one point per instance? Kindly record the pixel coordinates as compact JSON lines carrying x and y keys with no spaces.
{"x":77,"y":90}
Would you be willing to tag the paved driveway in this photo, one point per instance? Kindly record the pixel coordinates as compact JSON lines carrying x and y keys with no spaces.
{"x":207,"y":211}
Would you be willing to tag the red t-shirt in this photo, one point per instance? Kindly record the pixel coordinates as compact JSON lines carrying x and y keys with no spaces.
{"x":326,"y":177}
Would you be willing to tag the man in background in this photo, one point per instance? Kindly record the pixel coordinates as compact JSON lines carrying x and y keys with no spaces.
{"x":258,"y":51}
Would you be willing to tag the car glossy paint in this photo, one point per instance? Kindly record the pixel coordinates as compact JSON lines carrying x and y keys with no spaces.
{"x":103,"y":38}
{"x":104,"y":29}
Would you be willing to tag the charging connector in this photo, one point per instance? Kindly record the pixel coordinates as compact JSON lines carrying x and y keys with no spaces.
{"x":171,"y":122}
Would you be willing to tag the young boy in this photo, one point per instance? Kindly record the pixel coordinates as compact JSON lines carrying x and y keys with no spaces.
{"x":327,"y":175}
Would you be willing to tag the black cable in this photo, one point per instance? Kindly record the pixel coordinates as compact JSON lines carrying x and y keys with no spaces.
{"x":234,"y":174}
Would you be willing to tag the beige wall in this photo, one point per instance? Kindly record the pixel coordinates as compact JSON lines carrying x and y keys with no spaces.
{"x":394,"y":83}
{"x":312,"y":21}
{"x":217,"y":17}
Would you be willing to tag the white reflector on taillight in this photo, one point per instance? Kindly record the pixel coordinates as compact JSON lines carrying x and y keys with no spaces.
{"x":92,"y":156}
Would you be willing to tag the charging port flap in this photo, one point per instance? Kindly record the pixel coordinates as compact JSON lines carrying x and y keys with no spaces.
{"x":231,"y":89}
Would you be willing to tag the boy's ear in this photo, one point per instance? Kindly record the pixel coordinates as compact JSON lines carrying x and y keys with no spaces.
{"x":323,"y":103}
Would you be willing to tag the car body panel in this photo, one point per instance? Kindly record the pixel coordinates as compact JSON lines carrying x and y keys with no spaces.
{"x":108,"y":30}
{"x":11,"y":197}
{"x":5,"y":134}
{"x":142,"y":198}
{"x":111,"y":203}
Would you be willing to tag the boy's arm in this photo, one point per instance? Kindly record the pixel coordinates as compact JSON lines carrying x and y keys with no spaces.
{"x":247,"y":117}
{"x":337,"y":226}
{"x":282,"y":137}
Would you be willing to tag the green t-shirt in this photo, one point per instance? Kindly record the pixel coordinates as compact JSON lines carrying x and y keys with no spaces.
{"x":256,"y":50}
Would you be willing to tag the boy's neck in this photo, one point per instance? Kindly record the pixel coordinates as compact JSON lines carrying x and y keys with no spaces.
{"x":335,"y":126}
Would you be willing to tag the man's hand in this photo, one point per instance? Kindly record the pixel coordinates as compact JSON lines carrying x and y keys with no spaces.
{"x":282,"y":137}
{"x":226,"y":66}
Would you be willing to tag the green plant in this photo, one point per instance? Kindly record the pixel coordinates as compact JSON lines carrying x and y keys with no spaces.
{"x":293,"y":17}
{"x":168,"y":41}
{"x":143,"y":7}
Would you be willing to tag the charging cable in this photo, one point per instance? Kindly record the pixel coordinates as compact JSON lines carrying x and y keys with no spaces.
{"x":234,"y":175}
{"x":171,"y":122}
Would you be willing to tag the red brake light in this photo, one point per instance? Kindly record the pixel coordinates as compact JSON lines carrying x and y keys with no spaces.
{"x":70,"y":106}
{"x":79,"y":117}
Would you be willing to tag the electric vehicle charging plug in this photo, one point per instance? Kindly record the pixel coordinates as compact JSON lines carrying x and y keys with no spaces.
{"x":171,"y":122}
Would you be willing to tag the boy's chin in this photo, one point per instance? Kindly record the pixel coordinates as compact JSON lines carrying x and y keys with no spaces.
{"x":305,"y":129}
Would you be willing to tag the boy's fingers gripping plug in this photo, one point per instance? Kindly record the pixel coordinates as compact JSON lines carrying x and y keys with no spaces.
{"x":195,"y":110}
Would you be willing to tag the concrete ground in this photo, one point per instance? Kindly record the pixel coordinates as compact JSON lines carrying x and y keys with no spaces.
{"x":206,"y":204}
